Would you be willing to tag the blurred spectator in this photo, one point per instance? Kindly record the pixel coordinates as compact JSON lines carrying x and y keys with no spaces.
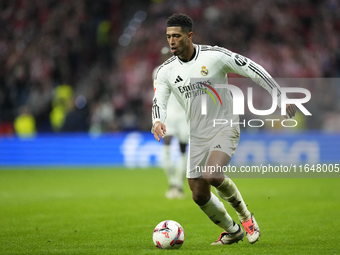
{"x":61,"y":104}
{"x":102,"y":116}
{"x":77,"y":118}
{"x":24,"y":124}
{"x":40,"y":102}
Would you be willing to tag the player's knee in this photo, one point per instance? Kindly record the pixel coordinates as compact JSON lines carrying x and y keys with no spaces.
{"x":200,"y":198}
{"x":214,"y":180}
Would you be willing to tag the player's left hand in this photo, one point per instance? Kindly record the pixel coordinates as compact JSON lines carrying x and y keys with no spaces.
{"x":290,"y":110}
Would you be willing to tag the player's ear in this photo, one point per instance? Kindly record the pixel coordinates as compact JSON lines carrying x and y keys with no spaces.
{"x":190,"y":35}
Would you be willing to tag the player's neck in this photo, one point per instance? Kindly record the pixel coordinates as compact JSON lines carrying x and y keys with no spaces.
{"x":189,"y":54}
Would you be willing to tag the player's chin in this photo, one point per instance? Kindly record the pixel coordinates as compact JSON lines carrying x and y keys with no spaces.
{"x":177,"y":52}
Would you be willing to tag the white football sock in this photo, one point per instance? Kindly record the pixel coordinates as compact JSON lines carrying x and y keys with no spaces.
{"x":181,"y":170}
{"x":217,"y":213}
{"x":167,"y":165}
{"x":229,"y":192}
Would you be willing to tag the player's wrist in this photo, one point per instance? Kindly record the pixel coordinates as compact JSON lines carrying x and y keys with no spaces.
{"x":155,"y":124}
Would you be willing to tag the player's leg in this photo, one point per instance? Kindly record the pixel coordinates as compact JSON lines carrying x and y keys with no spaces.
{"x":180,"y":170}
{"x":201,"y":193}
{"x":215,"y":211}
{"x":167,"y":162}
{"x":168,"y":167}
{"x":227,"y":190}
{"x":182,"y":134}
{"x":225,"y":187}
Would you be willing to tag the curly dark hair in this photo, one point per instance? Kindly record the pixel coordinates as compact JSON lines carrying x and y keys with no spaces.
{"x":180,"y":20}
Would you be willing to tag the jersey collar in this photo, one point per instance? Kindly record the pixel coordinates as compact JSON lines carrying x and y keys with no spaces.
{"x":196,"y":53}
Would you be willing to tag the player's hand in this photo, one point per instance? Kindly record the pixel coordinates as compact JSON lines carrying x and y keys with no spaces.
{"x":159,"y":130}
{"x":290,"y":110}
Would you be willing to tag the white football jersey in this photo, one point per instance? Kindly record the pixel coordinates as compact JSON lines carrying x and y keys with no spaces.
{"x":188,"y":81}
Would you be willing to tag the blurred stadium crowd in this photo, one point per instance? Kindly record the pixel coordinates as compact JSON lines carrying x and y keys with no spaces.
{"x":85,"y":65}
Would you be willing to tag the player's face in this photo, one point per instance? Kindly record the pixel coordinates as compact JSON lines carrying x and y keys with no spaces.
{"x":178,"y":40}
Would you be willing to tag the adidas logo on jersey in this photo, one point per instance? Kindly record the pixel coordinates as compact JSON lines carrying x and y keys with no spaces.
{"x":217,"y":147}
{"x":178,"y":79}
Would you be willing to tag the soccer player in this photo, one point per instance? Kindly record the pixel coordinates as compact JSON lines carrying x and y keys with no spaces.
{"x":176,"y":127}
{"x":208,"y":147}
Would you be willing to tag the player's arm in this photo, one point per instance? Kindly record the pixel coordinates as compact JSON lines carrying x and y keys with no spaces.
{"x":159,"y":106}
{"x":239,"y":64}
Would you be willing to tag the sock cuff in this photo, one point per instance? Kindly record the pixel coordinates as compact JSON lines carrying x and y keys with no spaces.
{"x":224,"y":185}
{"x":212,"y":200}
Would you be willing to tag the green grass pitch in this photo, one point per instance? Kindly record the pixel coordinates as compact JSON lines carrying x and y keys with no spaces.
{"x":114,"y":211}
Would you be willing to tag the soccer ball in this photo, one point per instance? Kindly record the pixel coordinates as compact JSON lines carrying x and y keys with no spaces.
{"x":168,"y":234}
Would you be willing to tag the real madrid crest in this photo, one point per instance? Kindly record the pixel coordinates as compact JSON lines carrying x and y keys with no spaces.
{"x":204,"y":71}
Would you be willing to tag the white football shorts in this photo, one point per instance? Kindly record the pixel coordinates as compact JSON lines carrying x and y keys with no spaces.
{"x":226,"y":140}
